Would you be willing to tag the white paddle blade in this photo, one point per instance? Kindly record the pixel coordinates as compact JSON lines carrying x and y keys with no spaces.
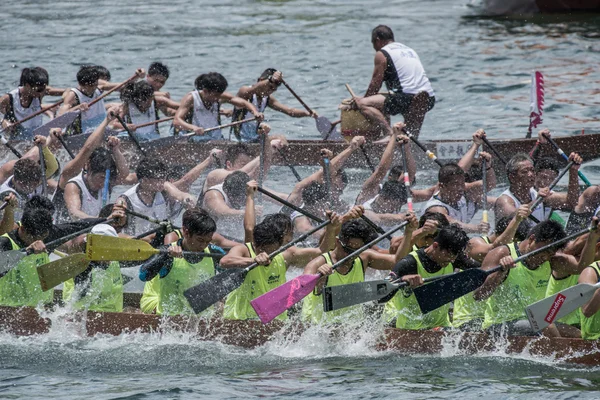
{"x":546,"y":311}
{"x":9,"y":260}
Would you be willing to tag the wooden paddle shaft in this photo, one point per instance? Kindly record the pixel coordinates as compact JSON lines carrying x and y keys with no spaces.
{"x":158,"y":121}
{"x":131,"y":135}
{"x":10,"y":147}
{"x":290,"y":205}
{"x":64,"y":144}
{"x":119,"y":86}
{"x":484,"y":195}
{"x":4,"y":205}
{"x":493,"y":149}
{"x":297,"y":97}
{"x":40,"y":111}
{"x":214,"y":128}
{"x":562,"y":173}
{"x":566,"y":157}
{"x":43,"y":169}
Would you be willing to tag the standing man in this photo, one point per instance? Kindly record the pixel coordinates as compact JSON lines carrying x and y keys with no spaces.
{"x":400,"y":68}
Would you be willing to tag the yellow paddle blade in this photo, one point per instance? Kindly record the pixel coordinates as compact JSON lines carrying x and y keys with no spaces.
{"x":108,"y":248}
{"x":56,"y":272}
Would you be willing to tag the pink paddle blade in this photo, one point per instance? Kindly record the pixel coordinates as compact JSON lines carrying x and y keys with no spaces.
{"x":271,"y":304}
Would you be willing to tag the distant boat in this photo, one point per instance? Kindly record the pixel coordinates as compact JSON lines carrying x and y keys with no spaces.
{"x":528,"y":7}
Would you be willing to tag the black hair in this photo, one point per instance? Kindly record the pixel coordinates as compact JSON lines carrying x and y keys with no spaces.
{"x":27,"y":171}
{"x":522,"y":229}
{"x":266,"y":233}
{"x":393,"y":190}
{"x":158,"y":68}
{"x":267,"y":73}
{"x":212,"y":82}
{"x":440,"y":218}
{"x":36,"y":221}
{"x":452,"y":238}
{"x":382,"y":32}
{"x":314,"y":193}
{"x":356,"y":229}
{"x":103,"y":72}
{"x":151,"y":168}
{"x":547,"y":231}
{"x":198,"y":223}
{"x":35,"y":76}
{"x":281,"y":221}
{"x":235,"y":188}
{"x":475,"y":173}
{"x":100,"y":160}
{"x":40,"y":202}
{"x":396,"y":172}
{"x":88,"y":75}
{"x":137,"y":93}
{"x":546,"y":163}
{"x":448,"y":172}
{"x":233,"y":152}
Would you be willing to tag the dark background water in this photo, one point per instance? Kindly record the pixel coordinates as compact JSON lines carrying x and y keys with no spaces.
{"x":480,"y":69}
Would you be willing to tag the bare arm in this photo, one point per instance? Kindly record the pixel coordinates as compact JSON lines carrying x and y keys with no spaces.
{"x":566,"y":201}
{"x":70,"y":102}
{"x":370,"y":188}
{"x":292,"y":112}
{"x":165,"y":104}
{"x":249,"y":212}
{"x":186,"y":106}
{"x":238,"y":257}
{"x":493,"y":280}
{"x":185,"y":183}
{"x":376,"y":260}
{"x":378,"y":72}
{"x":590,"y":277}
{"x":240,"y":103}
{"x":214,"y":203}
{"x":466,"y":161}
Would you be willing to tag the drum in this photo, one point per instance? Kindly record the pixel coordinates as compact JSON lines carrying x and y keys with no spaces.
{"x":355,"y":124}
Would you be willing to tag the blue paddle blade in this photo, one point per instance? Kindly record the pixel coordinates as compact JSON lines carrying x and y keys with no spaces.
{"x":214,"y":289}
{"x":442,"y":291}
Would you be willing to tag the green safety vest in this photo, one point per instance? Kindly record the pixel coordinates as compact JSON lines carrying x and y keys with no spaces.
{"x":590,"y":327}
{"x":105,"y":292}
{"x":312,"y":307}
{"x":521,"y":288}
{"x":21,"y":285}
{"x":149,"y":300}
{"x":259,"y":281}
{"x":404,"y":307}
{"x":183,"y":276}
{"x":555,"y":286}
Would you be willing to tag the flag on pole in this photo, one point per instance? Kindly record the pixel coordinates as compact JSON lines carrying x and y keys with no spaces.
{"x":536,"y":101}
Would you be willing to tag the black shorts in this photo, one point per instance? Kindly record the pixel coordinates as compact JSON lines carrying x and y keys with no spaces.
{"x":399,"y":103}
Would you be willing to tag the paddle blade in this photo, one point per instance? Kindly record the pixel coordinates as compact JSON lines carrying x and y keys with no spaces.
{"x":271,"y":304}
{"x":9,"y":260}
{"x":442,"y":291}
{"x":56,"y":272}
{"x":337,"y":297}
{"x":108,"y":248}
{"x":214,"y":289}
{"x":323,"y":125}
{"x":59,"y":122}
{"x":542,"y":313}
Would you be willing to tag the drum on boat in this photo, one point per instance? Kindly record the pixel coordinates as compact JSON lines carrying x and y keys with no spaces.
{"x":355,"y":124}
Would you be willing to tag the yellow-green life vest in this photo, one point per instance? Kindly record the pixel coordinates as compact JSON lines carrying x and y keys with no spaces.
{"x":21,"y":285}
{"x":183,"y":275}
{"x":312,"y":307}
{"x":590,"y":327}
{"x":149,"y":300}
{"x":555,"y":286}
{"x":404,"y":307}
{"x":259,"y":281}
{"x":521,"y":288}
{"x":105,"y":292}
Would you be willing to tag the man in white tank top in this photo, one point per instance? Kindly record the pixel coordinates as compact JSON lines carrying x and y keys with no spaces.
{"x":24,"y":183}
{"x":521,"y":178}
{"x":225,"y":203}
{"x":399,"y":67}
{"x":261,"y":96}
{"x":199,"y":109}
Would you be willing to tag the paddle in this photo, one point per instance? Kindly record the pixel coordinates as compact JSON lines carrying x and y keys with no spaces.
{"x":290,"y":165}
{"x":64,"y":144}
{"x":271,"y":304}
{"x":562,"y":173}
{"x":131,"y":135}
{"x":109,"y":248}
{"x":409,"y":201}
{"x":261,"y":168}
{"x":106,"y":188}
{"x":429,"y":153}
{"x":484,"y":217}
{"x":362,"y":149}
{"x":35,"y":114}
{"x":324,"y":126}
{"x":289,"y":205}
{"x":493,"y":149}
{"x":59,"y":122}
{"x":10,"y":147}
{"x":333,"y":124}
{"x":443,"y":291}
{"x":43,"y":169}
{"x":214,"y":289}
{"x":158,"y":121}
{"x":566,"y":157}
{"x":10,"y":259}
{"x":243,"y":121}
{"x":56,"y":272}
{"x":327,"y":179}
{"x":4,"y":205}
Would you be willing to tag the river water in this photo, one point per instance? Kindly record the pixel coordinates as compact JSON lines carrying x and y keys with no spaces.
{"x":480,"y":69}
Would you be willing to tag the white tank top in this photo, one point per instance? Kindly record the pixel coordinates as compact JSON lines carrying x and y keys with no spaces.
{"x":137,"y":117}
{"x":368,"y":204}
{"x":90,"y":204}
{"x":409,"y":69}
{"x":205,"y":118}
{"x":464,"y":211}
{"x":541,"y":212}
{"x":93,"y":117}
{"x":23,"y":112}
{"x":157,"y":210}
{"x":8,"y":187}
{"x":219,"y":188}
{"x":248,"y":129}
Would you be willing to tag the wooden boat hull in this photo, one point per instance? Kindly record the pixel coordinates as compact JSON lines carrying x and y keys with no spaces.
{"x":26,"y":321}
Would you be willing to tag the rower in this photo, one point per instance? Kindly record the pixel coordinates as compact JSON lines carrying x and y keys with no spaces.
{"x":429,"y":225}
{"x":435,"y":260}
{"x":457,"y":199}
{"x":589,"y":316}
{"x":24,"y":183}
{"x":20,"y":287}
{"x":199,"y":109}
{"x":23,"y":101}
{"x":546,"y":170}
{"x":141,"y":106}
{"x":517,"y":285}
{"x":521,"y":178}
{"x":261,"y":96}
{"x":400,"y":68}
{"x":157,"y":76}
{"x":268,"y":237}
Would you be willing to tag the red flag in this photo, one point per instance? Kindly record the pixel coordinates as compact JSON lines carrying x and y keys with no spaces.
{"x":536,"y":105}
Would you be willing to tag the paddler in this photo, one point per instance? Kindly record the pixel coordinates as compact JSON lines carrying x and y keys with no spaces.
{"x":400,"y":68}
{"x":199,"y":109}
{"x":517,"y":285}
{"x":157,"y":76}
{"x":589,"y":316}
{"x":261,"y":96}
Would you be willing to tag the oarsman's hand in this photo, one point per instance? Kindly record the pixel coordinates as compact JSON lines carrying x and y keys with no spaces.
{"x":189,"y":202}
{"x":112,"y":113}
{"x":118,"y":216}
{"x":259,"y":116}
{"x":132,"y":127}
{"x":522,"y":213}
{"x":483,"y":228}
{"x":594,"y":225}
{"x":262,"y":259}
{"x":276,"y":78}
{"x":543,"y":134}
{"x":228,"y":112}
{"x":354,"y":213}
{"x":264,"y":129}
{"x":357,"y":141}
{"x":488,"y":158}
{"x":175,"y":251}
{"x":413,"y":280}
{"x":251,"y":188}
{"x":39,"y":139}
{"x":168,"y":96}
{"x":9,"y":126}
{"x":36,"y":247}
{"x":215,"y":154}
{"x":507,"y":263}
{"x":478,"y":137}
{"x":399,"y":128}
{"x":326,"y":153}
{"x":198,"y":131}
{"x":113,"y":143}
{"x":12,"y":201}
{"x":313,"y":114}
{"x":83,"y":107}
{"x":325,"y":270}
{"x":578,"y":160}
{"x":413,"y":222}
{"x":141,"y":73}
{"x":53,"y":143}
{"x":335,"y":218}
{"x":544,"y":192}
